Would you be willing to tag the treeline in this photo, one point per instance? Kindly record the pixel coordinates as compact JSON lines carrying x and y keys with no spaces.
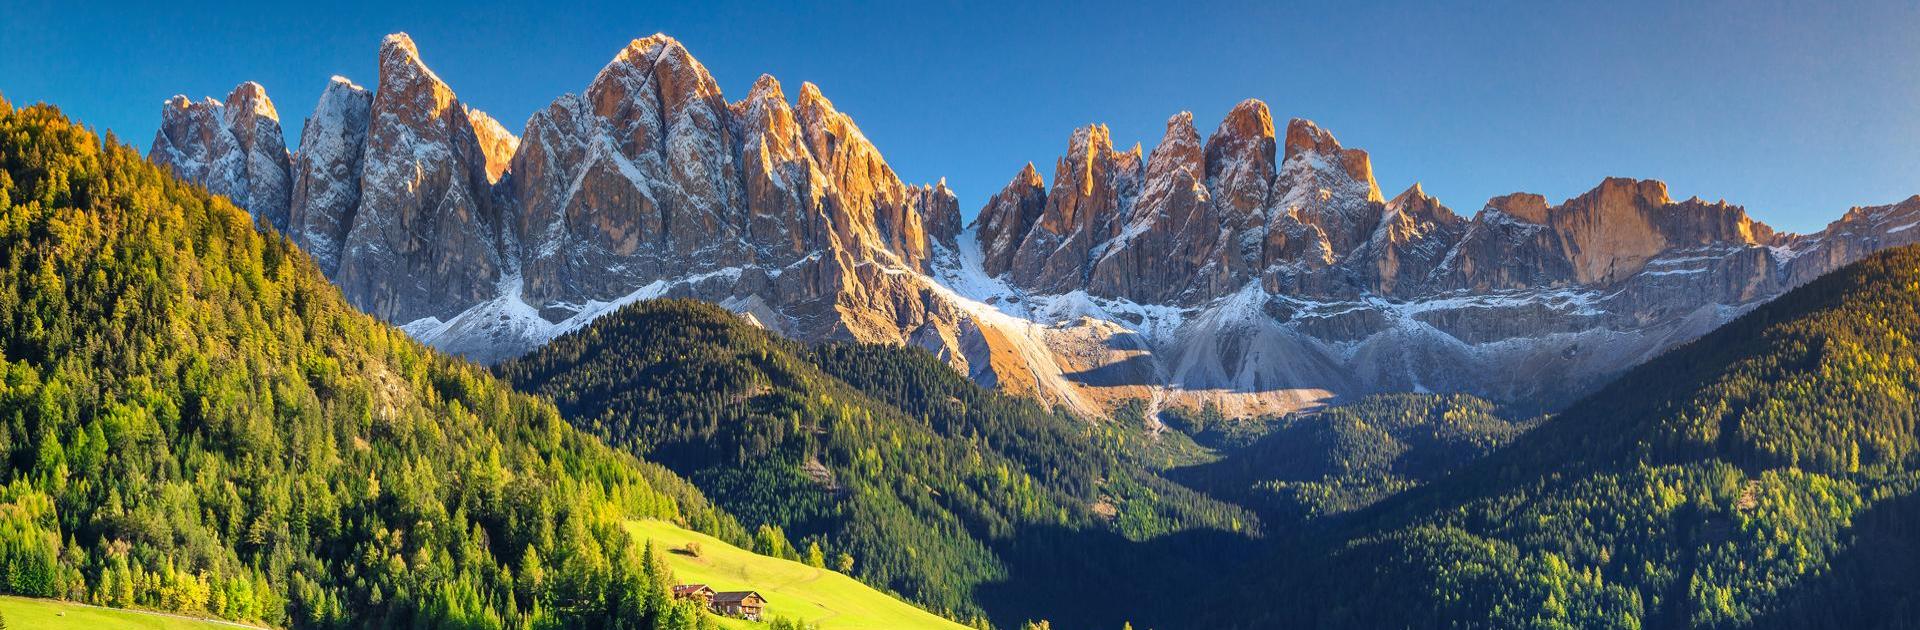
{"x":194,"y":421}
{"x":882,"y":456}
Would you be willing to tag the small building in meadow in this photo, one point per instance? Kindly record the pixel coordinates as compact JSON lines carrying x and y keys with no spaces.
{"x":700,"y":592}
{"x":743,"y":604}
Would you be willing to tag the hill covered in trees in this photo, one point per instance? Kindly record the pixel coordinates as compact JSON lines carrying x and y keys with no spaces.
{"x":880,"y":460}
{"x":1760,"y":476}
{"x":193,"y":420}
{"x":1347,"y":457}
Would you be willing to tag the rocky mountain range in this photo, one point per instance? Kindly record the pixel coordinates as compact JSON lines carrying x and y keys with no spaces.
{"x":1251,"y":271}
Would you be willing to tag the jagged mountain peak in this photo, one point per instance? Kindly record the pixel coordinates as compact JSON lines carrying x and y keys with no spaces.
{"x":642,"y":47}
{"x":1414,"y":203}
{"x":251,"y":97}
{"x":180,"y":107}
{"x":1415,"y":235}
{"x":1305,"y":139}
{"x":659,"y":57}
{"x":181,"y":102}
{"x":1090,"y":149}
{"x":400,"y":60}
{"x":419,"y":245}
{"x":1306,"y":136}
{"x":326,"y":182}
{"x":831,"y":132}
{"x":766,"y":88}
{"x":406,"y":83}
{"x":233,"y":147}
{"x":1240,"y":159}
{"x":766,"y":120}
{"x":399,"y":43}
{"x":658,"y":68}
{"x":1256,"y":270}
{"x":496,"y":143}
{"x":765,"y":112}
{"x":1178,"y":153}
{"x":1030,"y":175}
{"x":811,"y":97}
{"x":879,"y":216}
{"x":1092,"y":137}
{"x":1008,"y":217}
{"x":1249,"y":118}
{"x":1617,"y":191}
{"x":1524,"y":206}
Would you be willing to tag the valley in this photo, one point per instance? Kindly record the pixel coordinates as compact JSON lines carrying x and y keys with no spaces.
{"x":657,"y":359}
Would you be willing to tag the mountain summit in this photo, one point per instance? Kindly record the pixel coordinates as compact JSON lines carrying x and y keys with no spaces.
{"x":1254,"y":270}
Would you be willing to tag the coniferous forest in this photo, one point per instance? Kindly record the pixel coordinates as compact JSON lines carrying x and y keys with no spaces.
{"x":193,"y":420}
{"x":1761,"y":476}
{"x":879,"y":458}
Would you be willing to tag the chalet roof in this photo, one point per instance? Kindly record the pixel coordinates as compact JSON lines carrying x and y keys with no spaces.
{"x":682,"y":589}
{"x":728,"y":597}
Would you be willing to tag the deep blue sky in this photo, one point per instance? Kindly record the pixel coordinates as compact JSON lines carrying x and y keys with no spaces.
{"x":1791,"y":109}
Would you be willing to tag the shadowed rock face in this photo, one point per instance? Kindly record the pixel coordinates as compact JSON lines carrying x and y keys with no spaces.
{"x":234,"y":148}
{"x":637,"y":178}
{"x":1090,"y":184}
{"x":425,"y":241}
{"x":1414,"y":237}
{"x":326,"y":183}
{"x":1008,"y":217}
{"x":1255,"y":271}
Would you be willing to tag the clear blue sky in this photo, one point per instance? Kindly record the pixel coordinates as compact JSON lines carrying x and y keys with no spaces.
{"x":1792,"y":109}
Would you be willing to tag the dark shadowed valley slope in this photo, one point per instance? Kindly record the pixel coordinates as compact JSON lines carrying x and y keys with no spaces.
{"x":1761,"y":475}
{"x":957,"y":496}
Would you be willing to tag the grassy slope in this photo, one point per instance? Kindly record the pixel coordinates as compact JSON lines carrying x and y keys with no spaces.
{"x":24,"y":613}
{"x":792,"y":589}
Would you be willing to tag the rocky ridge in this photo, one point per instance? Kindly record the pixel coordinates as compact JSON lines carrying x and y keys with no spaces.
{"x":234,"y":148}
{"x":1254,"y":271}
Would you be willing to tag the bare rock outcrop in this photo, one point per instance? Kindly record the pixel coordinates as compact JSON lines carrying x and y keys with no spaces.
{"x":1254,"y":272}
{"x":1092,"y":184}
{"x":326,"y":182}
{"x":234,"y":148}
{"x":425,"y":240}
{"x":1008,"y":217}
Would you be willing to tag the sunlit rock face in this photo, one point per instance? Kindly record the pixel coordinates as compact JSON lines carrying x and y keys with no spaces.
{"x":1256,"y":269}
{"x":1261,"y":286}
{"x":429,"y":213}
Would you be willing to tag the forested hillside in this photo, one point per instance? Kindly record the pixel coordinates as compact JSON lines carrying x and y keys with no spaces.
{"x":193,"y":420}
{"x":881,"y":460}
{"x":1350,"y":456}
{"x":1760,"y":476}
